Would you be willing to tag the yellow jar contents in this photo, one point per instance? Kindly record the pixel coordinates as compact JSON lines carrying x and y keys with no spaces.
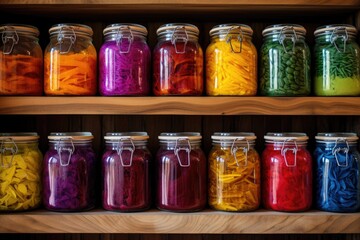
{"x":234,"y":184}
{"x":20,"y":185}
{"x":231,"y":66}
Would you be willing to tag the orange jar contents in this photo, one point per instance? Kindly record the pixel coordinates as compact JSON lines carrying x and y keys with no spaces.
{"x":21,"y":61}
{"x":70,"y":61}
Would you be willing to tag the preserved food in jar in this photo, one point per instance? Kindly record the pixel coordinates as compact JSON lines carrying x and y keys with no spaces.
{"x":285,"y":62}
{"x":20,"y":171}
{"x":21,"y":60}
{"x":181,"y":173}
{"x":337,"y":172}
{"x":124,"y":61}
{"x":286,"y":172}
{"x":70,"y":61}
{"x":178,"y":61}
{"x":125,"y":166}
{"x":234,"y":172}
{"x":337,"y":61}
{"x":231,"y":61}
{"x":69,"y":172}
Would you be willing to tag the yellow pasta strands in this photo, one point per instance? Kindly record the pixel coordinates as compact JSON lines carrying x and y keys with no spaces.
{"x":234,"y":184}
{"x":229,"y":69}
{"x":20,"y":184}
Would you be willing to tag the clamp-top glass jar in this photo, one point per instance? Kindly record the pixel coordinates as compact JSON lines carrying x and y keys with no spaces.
{"x":70,"y":61}
{"x":124,"y":61}
{"x":69,"y":172}
{"x":337,"y":172}
{"x":285,"y":61}
{"x":21,"y":60}
{"x":125,"y":167}
{"x":286,"y":172}
{"x":231,"y":61}
{"x":337,"y":61}
{"x":234,"y":172}
{"x":20,"y":171}
{"x":178,"y":61}
{"x":181,"y":172}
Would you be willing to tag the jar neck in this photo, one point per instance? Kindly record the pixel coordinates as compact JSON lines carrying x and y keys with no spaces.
{"x":116,"y":37}
{"x":225,"y":37}
{"x":75,"y":144}
{"x":70,"y":37}
{"x":278,"y":37}
{"x":169,"y":37}
{"x":174,"y":144}
{"x":118,"y":145}
{"x":329,"y":38}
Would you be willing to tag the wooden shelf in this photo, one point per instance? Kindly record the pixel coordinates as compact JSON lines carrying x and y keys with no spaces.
{"x":154,"y":221}
{"x":180,"y":105}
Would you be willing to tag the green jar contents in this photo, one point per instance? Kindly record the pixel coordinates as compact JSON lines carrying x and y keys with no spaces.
{"x":285,"y":61}
{"x":337,"y":61}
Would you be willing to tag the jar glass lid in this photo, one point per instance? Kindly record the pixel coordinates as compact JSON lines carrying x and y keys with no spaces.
{"x":231,"y":28}
{"x":351,"y":137}
{"x":335,"y":28}
{"x":76,"y":136}
{"x":286,"y":136}
{"x":116,"y":28}
{"x":233,"y":136}
{"x":20,"y":29}
{"x":136,"y":136}
{"x":284,"y":29}
{"x":171,"y":27}
{"x":180,"y":135}
{"x":71,"y":28}
{"x":20,"y":136}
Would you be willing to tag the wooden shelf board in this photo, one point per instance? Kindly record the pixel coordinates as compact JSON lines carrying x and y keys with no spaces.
{"x":154,"y":221}
{"x":43,"y":105}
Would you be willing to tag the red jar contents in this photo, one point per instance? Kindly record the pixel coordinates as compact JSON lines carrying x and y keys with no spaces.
{"x":125,"y":166}
{"x":178,"y":61}
{"x":181,"y":173}
{"x":286,"y":172}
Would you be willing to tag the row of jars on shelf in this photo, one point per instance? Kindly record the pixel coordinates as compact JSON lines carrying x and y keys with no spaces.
{"x":70,"y":61}
{"x":183,"y":181}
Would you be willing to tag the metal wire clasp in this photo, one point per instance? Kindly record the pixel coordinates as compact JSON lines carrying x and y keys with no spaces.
{"x":124,"y":39}
{"x":60,"y":149}
{"x":336,"y":150}
{"x":245,"y":150}
{"x":179,"y":39}
{"x":283,"y":37}
{"x":339,"y":33}
{"x":63,"y":35}
{"x":4,"y":149}
{"x":121,"y":148}
{"x":285,"y":149}
{"x":9,"y":35}
{"x":177,"y":149}
{"x":239,"y":37}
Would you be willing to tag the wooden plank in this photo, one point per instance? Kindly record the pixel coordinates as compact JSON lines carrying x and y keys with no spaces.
{"x":210,"y":222}
{"x":181,"y":105}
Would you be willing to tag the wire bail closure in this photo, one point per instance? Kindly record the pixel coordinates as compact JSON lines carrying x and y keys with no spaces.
{"x":339,"y":33}
{"x":68,"y":149}
{"x":63,"y":36}
{"x":120,"y":148}
{"x":4,"y":149}
{"x":124,"y":36}
{"x":239,"y":37}
{"x":245,"y":150}
{"x":283,"y":37}
{"x":336,"y":150}
{"x":7,"y":36}
{"x":285,"y":149}
{"x":177,"y":149}
{"x":179,"y":37}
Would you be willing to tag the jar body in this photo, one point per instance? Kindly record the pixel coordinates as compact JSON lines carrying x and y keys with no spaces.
{"x":70,"y":68}
{"x":69,"y":178}
{"x":337,"y":178}
{"x":126,"y":184}
{"x":231,"y":67}
{"x":286,"y":181}
{"x":21,"y":67}
{"x":234,"y":183}
{"x":20,"y":177}
{"x":177,"y":68}
{"x":337,"y":71}
{"x":122,"y":72}
{"x":180,"y":188}
{"x":285,"y":69}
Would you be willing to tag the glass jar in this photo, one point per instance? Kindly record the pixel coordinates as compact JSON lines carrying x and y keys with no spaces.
{"x":124,"y":61}
{"x":21,"y":60}
{"x":178,"y":61}
{"x":286,"y":172}
{"x":20,"y":171}
{"x":181,"y":172}
{"x":125,"y":167}
{"x":285,"y":61}
{"x":70,"y":61}
{"x":69,"y":172}
{"x":337,"y":61}
{"x":231,"y":61}
{"x":337,"y":172}
{"x":234,"y":172}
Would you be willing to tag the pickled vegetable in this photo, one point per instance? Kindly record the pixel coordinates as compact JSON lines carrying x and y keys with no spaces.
{"x":231,"y":72}
{"x":70,"y":74}
{"x":21,"y":75}
{"x":20,"y":185}
{"x":234,"y":184}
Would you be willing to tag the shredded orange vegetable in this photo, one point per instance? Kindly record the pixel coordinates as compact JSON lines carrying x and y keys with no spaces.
{"x":234,"y":185}
{"x":231,"y":72}
{"x":20,"y":184}
{"x":70,"y":74}
{"x":20,"y":75}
